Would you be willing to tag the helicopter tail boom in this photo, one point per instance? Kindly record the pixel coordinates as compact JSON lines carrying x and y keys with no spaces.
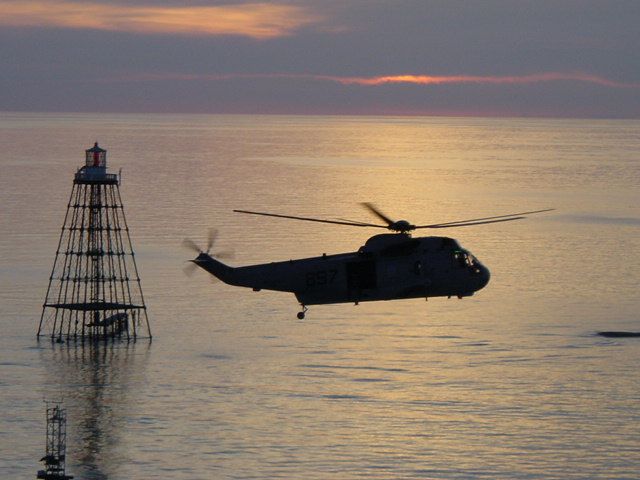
{"x":216,"y":268}
{"x":254,"y":276}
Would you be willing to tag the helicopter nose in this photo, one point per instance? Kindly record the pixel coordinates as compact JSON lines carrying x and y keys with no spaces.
{"x":483,"y":277}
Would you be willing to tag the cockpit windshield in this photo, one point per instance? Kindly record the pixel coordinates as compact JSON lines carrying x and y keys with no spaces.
{"x":467,"y":260}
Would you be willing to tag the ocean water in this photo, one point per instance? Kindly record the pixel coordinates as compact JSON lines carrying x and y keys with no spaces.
{"x":512,"y":383}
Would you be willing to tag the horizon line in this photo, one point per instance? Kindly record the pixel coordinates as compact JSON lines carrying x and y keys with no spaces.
{"x":406,"y":114}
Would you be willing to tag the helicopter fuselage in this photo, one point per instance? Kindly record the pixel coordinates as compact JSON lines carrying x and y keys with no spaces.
{"x":387,"y":267}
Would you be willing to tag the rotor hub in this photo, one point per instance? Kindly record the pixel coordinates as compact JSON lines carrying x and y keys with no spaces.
{"x":401,"y":226}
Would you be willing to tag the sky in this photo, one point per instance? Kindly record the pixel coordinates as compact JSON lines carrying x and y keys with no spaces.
{"x":534,"y":58}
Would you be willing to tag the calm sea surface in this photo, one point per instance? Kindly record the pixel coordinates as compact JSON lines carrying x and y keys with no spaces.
{"x":512,"y":383}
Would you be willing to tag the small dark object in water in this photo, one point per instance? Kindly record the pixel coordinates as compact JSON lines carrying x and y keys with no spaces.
{"x":619,"y":334}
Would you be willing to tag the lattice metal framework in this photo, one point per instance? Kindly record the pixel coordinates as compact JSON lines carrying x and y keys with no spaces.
{"x":56,"y":448}
{"x":94,"y":289}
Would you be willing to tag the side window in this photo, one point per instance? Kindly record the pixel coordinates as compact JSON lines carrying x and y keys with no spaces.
{"x":460,"y":258}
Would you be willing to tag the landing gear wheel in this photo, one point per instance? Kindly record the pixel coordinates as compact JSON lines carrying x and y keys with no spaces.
{"x":301,"y":314}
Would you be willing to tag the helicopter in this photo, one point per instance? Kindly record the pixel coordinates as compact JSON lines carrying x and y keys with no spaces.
{"x":389,"y":266}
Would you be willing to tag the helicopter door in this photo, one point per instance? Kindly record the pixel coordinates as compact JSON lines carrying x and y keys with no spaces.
{"x":361,"y":276}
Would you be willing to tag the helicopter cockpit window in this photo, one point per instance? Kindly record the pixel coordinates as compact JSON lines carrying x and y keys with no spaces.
{"x":474,"y":263}
{"x":466,"y":260}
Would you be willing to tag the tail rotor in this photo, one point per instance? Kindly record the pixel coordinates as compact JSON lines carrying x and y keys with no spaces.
{"x":189,"y":244}
{"x":193,"y":246}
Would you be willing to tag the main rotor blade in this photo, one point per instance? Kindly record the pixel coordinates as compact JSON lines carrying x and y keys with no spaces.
{"x":372,"y":208}
{"x":358,"y":222}
{"x":466,"y":224}
{"x":308,"y":219}
{"x":452,"y":224}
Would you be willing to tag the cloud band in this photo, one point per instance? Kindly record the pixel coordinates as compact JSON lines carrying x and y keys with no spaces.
{"x":425,"y":80}
{"x":256,"y":20}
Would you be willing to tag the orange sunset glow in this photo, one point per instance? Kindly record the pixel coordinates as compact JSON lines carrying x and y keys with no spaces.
{"x":509,"y":79}
{"x":255,"y":20}
{"x":425,"y":80}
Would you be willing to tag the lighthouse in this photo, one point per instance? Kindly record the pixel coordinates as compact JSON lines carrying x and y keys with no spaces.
{"x":94,"y":289}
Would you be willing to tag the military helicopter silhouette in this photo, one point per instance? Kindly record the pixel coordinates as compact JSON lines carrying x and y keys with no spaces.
{"x":388,"y":266}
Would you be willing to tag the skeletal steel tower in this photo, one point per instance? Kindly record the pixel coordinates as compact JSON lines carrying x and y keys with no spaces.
{"x":56,"y":449}
{"x":94,"y":289}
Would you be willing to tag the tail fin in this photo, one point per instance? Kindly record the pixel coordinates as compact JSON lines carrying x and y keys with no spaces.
{"x":215,"y":268}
